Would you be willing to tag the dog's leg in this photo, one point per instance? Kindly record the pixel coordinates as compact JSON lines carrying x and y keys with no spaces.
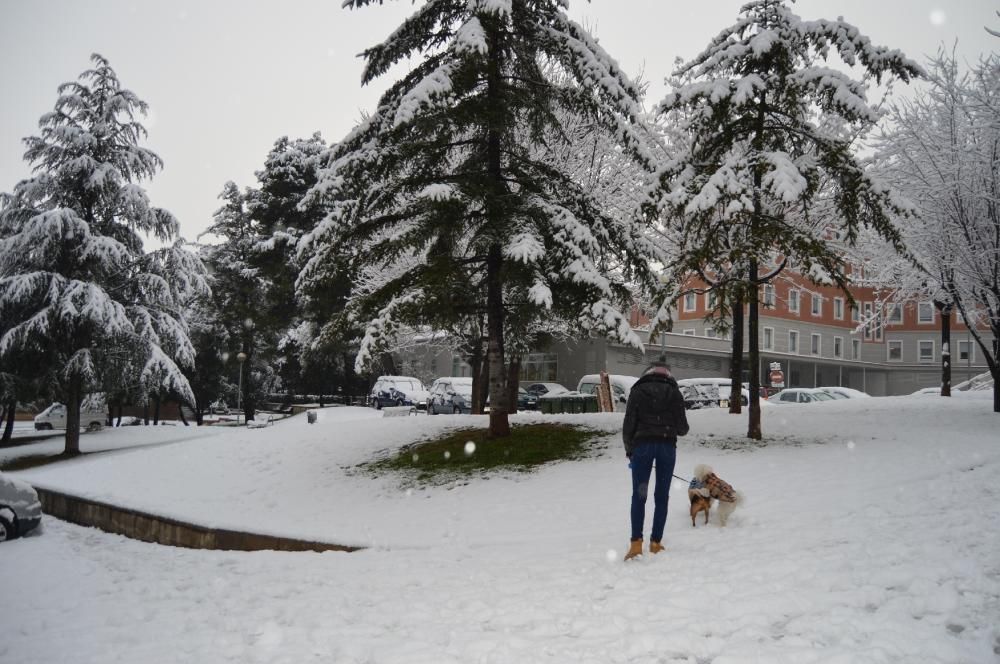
{"x":707,"y":511}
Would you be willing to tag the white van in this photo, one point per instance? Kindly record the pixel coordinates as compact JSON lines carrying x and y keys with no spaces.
{"x":92,"y":417}
{"x":620,"y":387}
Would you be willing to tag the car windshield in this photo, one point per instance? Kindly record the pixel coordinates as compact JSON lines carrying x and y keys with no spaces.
{"x":404,"y":385}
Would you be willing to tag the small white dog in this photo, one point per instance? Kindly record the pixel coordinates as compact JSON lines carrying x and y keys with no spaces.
{"x":727,"y":498}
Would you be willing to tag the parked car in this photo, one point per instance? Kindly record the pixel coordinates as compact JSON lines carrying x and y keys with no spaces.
{"x":20,"y":509}
{"x":92,"y":417}
{"x":398,"y":391}
{"x":801,"y":395}
{"x":541,"y":389}
{"x":712,"y":392}
{"x":620,"y":386}
{"x":526,"y":400}
{"x":848,"y":392}
{"x":450,"y":395}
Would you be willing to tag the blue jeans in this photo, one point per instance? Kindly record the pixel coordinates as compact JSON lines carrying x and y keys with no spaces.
{"x":644,"y":454}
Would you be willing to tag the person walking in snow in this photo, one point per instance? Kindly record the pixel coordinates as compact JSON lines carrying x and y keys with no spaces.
{"x":654,"y":417}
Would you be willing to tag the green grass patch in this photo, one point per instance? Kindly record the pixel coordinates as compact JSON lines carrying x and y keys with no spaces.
{"x":36,"y":460}
{"x":467,"y":452}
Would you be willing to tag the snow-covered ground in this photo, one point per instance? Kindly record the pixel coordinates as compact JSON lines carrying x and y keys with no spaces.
{"x":871,"y":533}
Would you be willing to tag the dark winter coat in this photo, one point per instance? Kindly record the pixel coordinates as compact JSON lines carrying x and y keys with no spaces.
{"x":655,"y":411}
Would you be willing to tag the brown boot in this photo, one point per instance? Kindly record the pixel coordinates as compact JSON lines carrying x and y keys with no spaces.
{"x":634,"y":549}
{"x":655,"y":547}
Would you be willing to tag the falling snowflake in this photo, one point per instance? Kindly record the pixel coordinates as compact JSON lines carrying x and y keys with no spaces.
{"x":470,"y":448}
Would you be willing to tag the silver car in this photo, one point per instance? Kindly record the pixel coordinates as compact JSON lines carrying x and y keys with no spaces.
{"x":20,"y":509}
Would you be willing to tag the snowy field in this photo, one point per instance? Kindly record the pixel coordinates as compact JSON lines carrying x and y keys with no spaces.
{"x":871,"y":533}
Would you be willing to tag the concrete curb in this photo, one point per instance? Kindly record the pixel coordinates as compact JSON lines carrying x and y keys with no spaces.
{"x":162,"y":530}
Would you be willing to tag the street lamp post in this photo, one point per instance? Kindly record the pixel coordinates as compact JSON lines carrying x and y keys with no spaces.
{"x":242,"y":357}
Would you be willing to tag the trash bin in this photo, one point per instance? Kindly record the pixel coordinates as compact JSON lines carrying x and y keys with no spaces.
{"x":590,"y":405}
{"x":311,"y":417}
{"x":547,"y":405}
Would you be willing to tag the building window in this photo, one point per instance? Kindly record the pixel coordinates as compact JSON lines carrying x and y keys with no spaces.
{"x":768,"y":296}
{"x":710,"y":332}
{"x":538,"y":367}
{"x":965,"y":351}
{"x":689,"y":333}
{"x":925,"y":351}
{"x":925,"y":312}
{"x":868,"y":321}
{"x":855,"y":349}
{"x":855,"y":314}
{"x":793,"y":341}
{"x":894,"y":350}
{"x":815,"y":344}
{"x":838,"y":346}
{"x":793,"y":301}
{"x":895,"y":316}
{"x":690,"y":301}
{"x":711,"y":301}
{"x":817,"y":305}
{"x":768,"y":338}
{"x":838,"y":308}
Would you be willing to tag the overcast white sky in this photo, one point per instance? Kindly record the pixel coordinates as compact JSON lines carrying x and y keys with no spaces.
{"x":225,"y":78}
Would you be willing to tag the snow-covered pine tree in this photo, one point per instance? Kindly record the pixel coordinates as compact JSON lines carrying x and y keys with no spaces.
{"x":237,"y":287}
{"x":771,"y":165}
{"x":940,"y":150}
{"x":443,"y":174}
{"x":76,"y":287}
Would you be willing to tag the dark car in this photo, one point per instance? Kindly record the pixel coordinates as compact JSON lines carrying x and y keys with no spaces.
{"x":20,"y":509}
{"x":541,"y":389}
{"x":526,"y":400}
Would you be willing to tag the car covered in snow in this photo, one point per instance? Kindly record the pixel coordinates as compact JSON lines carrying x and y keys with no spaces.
{"x":800,"y":395}
{"x":711,"y":392}
{"x":620,"y":386}
{"x":92,"y":417}
{"x":846,"y":392}
{"x":398,"y":391}
{"x":541,"y":389}
{"x":20,"y":509}
{"x":450,"y":394}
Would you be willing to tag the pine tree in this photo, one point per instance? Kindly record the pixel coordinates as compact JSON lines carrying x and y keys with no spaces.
{"x":76,"y":288}
{"x":770,"y":171}
{"x":441,"y":187}
{"x":237,"y":289}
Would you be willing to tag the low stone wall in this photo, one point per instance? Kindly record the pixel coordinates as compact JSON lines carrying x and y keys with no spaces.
{"x":161,"y":530}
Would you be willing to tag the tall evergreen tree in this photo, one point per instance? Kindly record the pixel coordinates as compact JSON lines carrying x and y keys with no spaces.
{"x":443,"y":178}
{"x":238,"y":287}
{"x":76,"y":287}
{"x":771,"y":168}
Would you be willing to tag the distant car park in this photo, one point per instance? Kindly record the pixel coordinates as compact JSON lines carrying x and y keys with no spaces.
{"x":451,"y":395}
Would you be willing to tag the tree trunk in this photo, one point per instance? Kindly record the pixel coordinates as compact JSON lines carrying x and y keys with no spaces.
{"x":484,"y":384}
{"x":74,"y":397}
{"x":180,"y":411}
{"x":945,"y":310}
{"x":156,"y":409}
{"x":479,"y":377}
{"x":8,"y":429}
{"x":145,"y":412}
{"x":496,"y":190}
{"x":249,"y":406}
{"x":754,"y":428}
{"x":119,"y":413}
{"x":736,"y":359}
{"x":499,"y":422}
{"x":513,"y":383}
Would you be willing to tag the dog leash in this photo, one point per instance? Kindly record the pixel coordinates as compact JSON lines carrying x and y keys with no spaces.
{"x":682,"y":479}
